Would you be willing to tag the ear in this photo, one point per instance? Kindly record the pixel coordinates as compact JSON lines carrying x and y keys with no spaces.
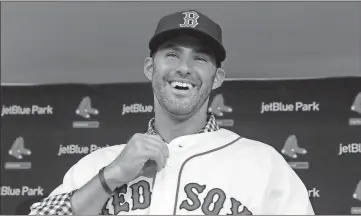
{"x":219,"y":78}
{"x":148,"y":68}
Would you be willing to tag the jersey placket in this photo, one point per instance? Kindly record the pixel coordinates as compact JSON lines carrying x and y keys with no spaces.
{"x":166,"y":181}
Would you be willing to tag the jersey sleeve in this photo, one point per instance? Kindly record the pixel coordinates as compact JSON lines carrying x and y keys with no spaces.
{"x":285,"y":192}
{"x":59,"y":200}
{"x":53,"y":205}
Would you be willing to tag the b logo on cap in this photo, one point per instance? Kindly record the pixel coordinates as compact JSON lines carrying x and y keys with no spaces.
{"x":190,"y":19}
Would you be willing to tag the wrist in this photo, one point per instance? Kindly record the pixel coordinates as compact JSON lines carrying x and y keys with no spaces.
{"x":112,"y":178}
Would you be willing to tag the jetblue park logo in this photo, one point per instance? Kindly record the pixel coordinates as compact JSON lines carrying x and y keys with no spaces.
{"x":86,"y":111}
{"x":292,"y":150}
{"x":356,"y":107}
{"x":218,"y":108}
{"x":136,"y":108}
{"x":314,"y":193}
{"x":351,"y":148}
{"x":75,"y":149}
{"x":18,"y":110}
{"x":18,"y":151}
{"x":23,"y":191}
{"x":357,"y":195}
{"x":293,"y":107}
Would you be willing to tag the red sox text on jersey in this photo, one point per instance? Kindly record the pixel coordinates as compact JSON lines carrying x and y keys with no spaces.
{"x":141,"y":199}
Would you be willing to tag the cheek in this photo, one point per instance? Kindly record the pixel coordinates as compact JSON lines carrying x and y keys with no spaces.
{"x":161,"y":68}
{"x":159,"y":77}
{"x":207,"y":75}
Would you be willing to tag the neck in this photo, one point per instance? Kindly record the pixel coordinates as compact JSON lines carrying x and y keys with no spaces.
{"x":170,"y":126}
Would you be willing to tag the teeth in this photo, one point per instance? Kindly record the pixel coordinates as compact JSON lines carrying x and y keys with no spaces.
{"x":181,"y":84}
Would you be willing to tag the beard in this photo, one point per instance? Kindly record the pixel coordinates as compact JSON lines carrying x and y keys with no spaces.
{"x":183,"y":106}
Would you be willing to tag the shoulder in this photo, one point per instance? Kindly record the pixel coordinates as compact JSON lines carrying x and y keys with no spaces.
{"x":89,"y":166}
{"x":246,"y":144}
{"x":260,"y":151}
{"x":266,"y":159}
{"x":270,"y":161}
{"x":260,"y":148}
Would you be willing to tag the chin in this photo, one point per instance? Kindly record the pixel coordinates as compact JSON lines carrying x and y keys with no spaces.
{"x":181,"y":107}
{"x":179,"y":110}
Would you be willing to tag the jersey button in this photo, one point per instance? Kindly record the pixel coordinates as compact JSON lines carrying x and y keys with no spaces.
{"x":169,"y":163}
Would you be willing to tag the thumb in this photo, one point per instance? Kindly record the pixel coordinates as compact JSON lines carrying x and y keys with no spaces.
{"x":156,"y":137}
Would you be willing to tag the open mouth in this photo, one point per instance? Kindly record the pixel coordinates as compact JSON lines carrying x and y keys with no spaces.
{"x":181,"y":85}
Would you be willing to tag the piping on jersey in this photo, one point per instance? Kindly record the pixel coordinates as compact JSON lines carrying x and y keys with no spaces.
{"x":188,"y":159}
{"x":154,"y":181}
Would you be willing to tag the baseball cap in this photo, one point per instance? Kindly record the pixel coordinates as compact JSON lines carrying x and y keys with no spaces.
{"x":192,"y":23}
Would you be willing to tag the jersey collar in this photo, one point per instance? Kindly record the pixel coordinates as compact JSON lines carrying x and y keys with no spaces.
{"x":211,"y":125}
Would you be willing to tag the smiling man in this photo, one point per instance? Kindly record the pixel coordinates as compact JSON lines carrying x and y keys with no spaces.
{"x":185,"y":163}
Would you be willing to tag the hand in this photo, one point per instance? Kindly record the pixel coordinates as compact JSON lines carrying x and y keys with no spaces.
{"x":137,"y":156}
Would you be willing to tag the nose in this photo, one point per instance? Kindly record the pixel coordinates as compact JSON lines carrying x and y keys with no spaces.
{"x":183,"y":68}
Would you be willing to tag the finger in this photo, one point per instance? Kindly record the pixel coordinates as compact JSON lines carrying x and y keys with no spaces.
{"x":156,"y":137}
{"x":161,"y":158}
{"x":149,"y":169}
{"x":157,"y":156}
{"x":163,"y":147}
{"x":163,"y":144}
{"x":155,"y":140}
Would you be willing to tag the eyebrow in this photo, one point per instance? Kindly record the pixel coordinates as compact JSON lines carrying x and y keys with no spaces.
{"x":171,"y":46}
{"x":197,"y":50}
{"x":204,"y":51}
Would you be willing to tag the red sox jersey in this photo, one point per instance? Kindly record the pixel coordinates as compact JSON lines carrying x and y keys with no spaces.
{"x":217,"y":173}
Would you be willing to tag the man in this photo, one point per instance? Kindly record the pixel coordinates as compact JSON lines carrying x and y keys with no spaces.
{"x":184,"y":164}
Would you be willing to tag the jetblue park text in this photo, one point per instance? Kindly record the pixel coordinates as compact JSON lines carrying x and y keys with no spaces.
{"x":296,"y":107}
{"x":25,"y":190}
{"x":33,"y":110}
{"x":137,"y":108}
{"x":76,"y":149}
{"x":349,"y":148}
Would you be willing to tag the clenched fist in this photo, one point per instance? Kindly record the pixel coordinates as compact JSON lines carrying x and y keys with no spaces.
{"x":142,"y":152}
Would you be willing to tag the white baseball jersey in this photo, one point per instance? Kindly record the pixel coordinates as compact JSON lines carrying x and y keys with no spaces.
{"x":207,"y":173}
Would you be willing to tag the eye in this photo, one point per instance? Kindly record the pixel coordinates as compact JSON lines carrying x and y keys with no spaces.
{"x":172,"y":55}
{"x":200,"y":58}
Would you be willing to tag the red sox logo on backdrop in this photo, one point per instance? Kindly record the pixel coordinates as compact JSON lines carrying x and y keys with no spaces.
{"x":356,"y":107}
{"x":141,"y":199}
{"x":292,"y":149}
{"x":85,"y":110}
{"x":357,"y":195}
{"x":190,"y":19}
{"x":17,"y":151}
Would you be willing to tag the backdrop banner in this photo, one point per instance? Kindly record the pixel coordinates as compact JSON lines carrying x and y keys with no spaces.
{"x":314,"y":123}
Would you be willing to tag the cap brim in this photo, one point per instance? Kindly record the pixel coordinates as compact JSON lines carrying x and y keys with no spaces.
{"x":164,"y":36}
